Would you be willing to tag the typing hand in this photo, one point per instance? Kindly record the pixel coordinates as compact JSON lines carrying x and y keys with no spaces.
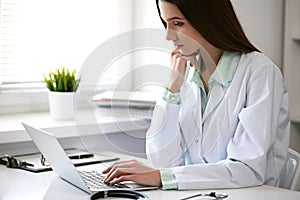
{"x":132,"y":170}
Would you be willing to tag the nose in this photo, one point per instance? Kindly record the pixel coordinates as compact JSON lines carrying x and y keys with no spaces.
{"x":171,"y":35}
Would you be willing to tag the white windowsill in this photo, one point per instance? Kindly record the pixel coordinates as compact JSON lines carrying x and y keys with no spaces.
{"x":11,"y":129}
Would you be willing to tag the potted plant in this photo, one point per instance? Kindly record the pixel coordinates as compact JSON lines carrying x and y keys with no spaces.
{"x":62,"y":85}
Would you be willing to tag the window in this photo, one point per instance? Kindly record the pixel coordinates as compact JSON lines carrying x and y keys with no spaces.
{"x":39,"y":35}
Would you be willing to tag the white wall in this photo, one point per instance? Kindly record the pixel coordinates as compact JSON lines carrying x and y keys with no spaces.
{"x":146,"y":16}
{"x":263,"y":21}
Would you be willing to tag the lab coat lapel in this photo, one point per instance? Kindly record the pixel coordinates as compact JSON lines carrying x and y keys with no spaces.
{"x":216,"y":95}
{"x":192,"y":126}
{"x":218,"y":91}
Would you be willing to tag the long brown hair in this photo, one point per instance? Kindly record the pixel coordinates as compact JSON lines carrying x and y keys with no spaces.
{"x":216,"y":21}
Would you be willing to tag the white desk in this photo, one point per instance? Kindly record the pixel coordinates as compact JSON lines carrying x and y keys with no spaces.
{"x":19,"y":184}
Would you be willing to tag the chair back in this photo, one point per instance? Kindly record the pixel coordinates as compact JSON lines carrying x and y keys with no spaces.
{"x":290,"y":176}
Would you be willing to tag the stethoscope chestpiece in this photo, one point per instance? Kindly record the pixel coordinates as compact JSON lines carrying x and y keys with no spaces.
{"x":212,"y":195}
{"x":218,"y":195}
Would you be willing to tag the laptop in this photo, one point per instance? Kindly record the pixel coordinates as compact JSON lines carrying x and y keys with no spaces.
{"x":88,"y":181}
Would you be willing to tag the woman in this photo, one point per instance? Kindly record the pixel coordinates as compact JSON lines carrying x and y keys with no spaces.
{"x":223,"y":121}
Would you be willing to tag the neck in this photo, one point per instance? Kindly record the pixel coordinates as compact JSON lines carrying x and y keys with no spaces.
{"x":214,"y":57}
{"x":210,"y":57}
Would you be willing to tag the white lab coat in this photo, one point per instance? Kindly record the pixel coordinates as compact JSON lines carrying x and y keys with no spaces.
{"x":242,"y":138}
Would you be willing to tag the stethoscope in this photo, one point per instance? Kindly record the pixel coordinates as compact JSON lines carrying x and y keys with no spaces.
{"x":212,"y":195}
{"x":130,"y":194}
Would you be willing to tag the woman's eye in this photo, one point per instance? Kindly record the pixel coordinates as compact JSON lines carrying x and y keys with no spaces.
{"x":178,"y":23}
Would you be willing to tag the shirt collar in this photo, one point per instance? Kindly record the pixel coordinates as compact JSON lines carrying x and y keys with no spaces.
{"x":222,"y":71}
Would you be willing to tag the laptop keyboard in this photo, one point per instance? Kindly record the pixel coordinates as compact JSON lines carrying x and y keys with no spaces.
{"x":95,"y":181}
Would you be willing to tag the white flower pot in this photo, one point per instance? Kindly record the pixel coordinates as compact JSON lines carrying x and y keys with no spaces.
{"x":62,"y":105}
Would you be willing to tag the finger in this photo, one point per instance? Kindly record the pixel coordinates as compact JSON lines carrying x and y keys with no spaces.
{"x":123,"y":161}
{"x":118,"y":163}
{"x":122,"y":168}
{"x":109,"y":174}
{"x":115,"y":174}
{"x":175,"y":52}
{"x":123,"y":178}
{"x":180,"y":65}
{"x":106,"y":170}
{"x":143,"y":179}
{"x":176,"y":55}
{"x":194,"y":62}
{"x":115,"y":168}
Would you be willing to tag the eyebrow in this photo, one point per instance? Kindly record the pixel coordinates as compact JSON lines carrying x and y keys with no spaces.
{"x":175,"y":18}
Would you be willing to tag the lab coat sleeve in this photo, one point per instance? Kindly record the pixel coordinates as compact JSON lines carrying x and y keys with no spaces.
{"x":164,"y":134}
{"x":259,"y":144}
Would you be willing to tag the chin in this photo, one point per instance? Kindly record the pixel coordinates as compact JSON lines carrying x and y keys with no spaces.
{"x":186,"y":53}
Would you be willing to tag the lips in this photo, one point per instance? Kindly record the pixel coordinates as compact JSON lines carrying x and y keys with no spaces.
{"x":178,"y":46}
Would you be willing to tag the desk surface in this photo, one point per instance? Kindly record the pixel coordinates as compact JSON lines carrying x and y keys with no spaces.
{"x":19,"y":184}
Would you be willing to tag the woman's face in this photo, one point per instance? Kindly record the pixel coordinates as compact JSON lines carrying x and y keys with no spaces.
{"x":186,"y":38}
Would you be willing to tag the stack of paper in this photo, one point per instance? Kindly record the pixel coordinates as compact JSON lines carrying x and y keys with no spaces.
{"x":125,"y":99}
{"x":122,"y":103}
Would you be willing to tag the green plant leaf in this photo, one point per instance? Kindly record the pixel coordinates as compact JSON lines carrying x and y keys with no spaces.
{"x":62,"y":80}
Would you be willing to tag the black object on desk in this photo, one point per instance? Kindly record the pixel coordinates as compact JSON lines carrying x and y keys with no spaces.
{"x":82,"y":156}
{"x":34,"y":162}
{"x":12,"y":162}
